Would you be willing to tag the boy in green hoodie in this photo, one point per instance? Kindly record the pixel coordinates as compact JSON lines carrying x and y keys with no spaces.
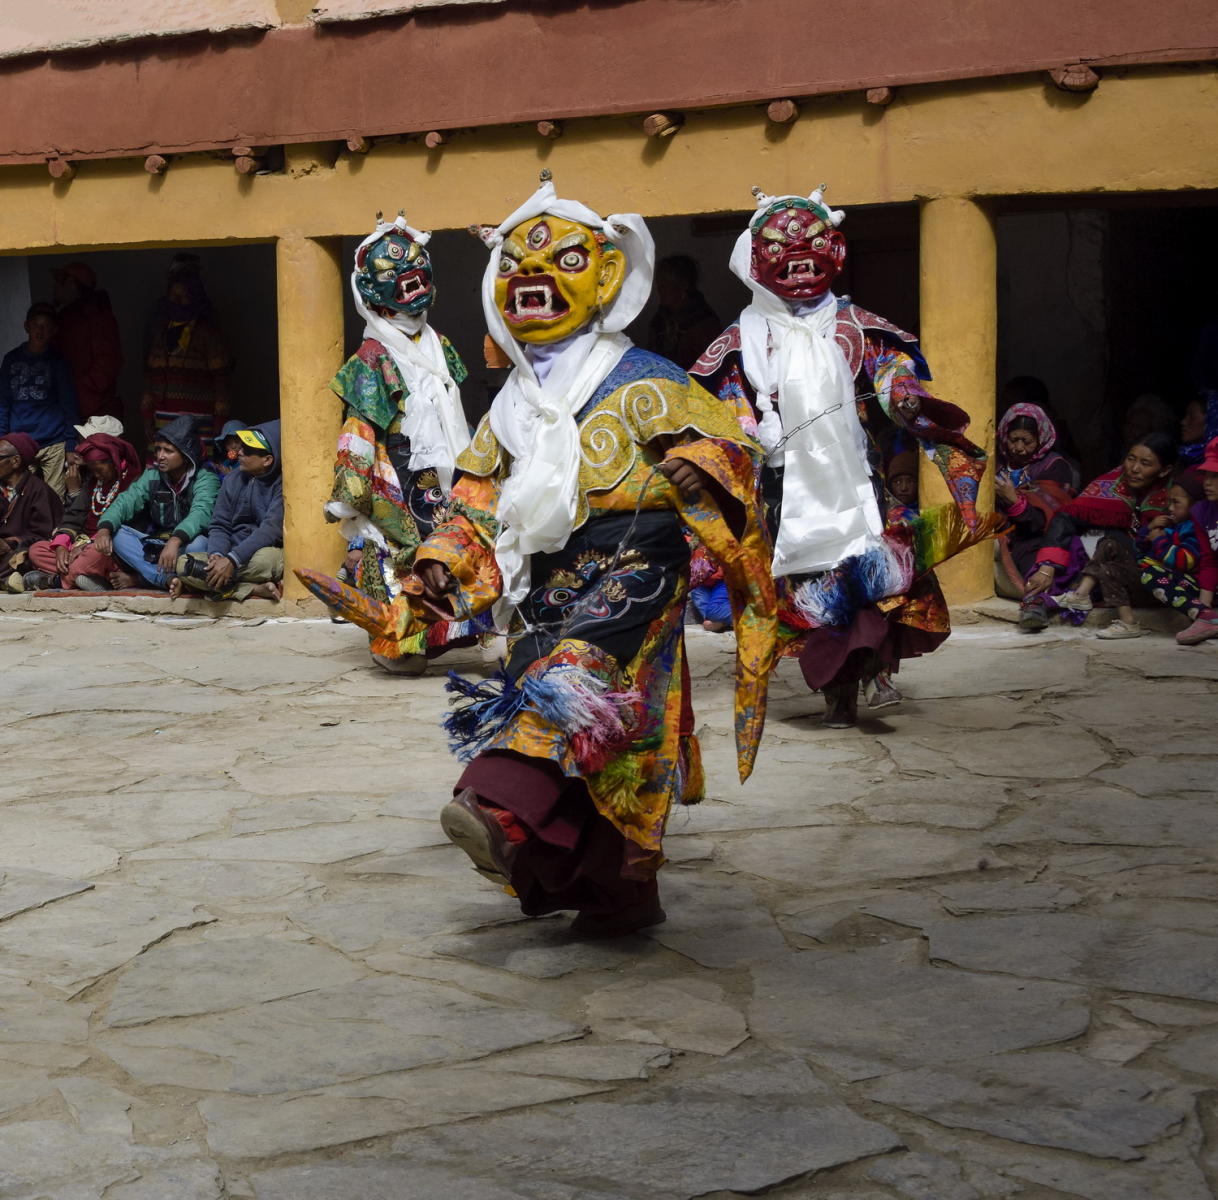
{"x":164,"y":513}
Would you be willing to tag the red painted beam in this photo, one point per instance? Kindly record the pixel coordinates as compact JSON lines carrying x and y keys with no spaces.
{"x":502,"y":64}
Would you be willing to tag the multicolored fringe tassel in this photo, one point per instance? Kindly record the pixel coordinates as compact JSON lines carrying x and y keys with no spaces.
{"x":600,"y":722}
{"x":833,"y":597}
{"x":907,"y":551}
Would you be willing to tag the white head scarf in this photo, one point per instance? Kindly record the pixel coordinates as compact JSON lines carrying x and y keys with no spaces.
{"x":533,"y":417}
{"x":433,"y":418}
{"x":790,"y":355}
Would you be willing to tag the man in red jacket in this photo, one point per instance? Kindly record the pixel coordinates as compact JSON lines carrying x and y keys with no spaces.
{"x":88,"y":339}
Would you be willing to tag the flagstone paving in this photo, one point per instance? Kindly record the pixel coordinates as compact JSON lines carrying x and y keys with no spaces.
{"x":967,"y":951}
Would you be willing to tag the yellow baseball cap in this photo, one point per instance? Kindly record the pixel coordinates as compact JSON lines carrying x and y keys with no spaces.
{"x":254,"y":440}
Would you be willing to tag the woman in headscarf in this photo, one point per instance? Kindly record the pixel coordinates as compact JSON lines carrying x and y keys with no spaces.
{"x":29,"y":507}
{"x":1031,"y":484}
{"x":69,"y":559}
{"x":1115,"y":510}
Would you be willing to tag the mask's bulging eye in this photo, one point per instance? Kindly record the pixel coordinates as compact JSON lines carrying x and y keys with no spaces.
{"x":573,"y":260}
{"x":386,"y":276}
{"x":539,"y":236}
{"x":819,"y":243}
{"x":507,"y":265}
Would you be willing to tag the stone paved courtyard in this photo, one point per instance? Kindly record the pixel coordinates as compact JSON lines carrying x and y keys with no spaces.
{"x":967,"y":951}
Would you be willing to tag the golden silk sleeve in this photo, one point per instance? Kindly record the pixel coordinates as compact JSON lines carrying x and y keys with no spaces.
{"x":465,"y":544}
{"x":728,"y":519}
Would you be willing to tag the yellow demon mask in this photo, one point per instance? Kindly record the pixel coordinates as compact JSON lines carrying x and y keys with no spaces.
{"x":554,"y":276}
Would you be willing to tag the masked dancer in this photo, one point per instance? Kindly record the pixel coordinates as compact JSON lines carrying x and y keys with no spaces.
{"x":824,"y":384}
{"x":403,"y":430}
{"x":567,"y":522}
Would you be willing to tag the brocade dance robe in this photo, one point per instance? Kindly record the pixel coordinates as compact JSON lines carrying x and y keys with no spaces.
{"x":887,"y":366}
{"x":580,"y":735}
{"x":372,"y":476}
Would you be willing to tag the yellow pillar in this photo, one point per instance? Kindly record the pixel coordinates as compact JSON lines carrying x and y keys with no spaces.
{"x":959,"y":327}
{"x":310,"y":290}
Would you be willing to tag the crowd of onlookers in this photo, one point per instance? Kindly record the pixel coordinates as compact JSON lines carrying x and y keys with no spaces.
{"x":1143,"y":533}
{"x":79,"y":509}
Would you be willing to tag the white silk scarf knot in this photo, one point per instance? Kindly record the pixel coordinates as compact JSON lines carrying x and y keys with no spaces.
{"x":829,"y":511}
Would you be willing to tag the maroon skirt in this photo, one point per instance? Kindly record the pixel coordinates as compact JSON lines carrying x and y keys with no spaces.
{"x":870,"y":643}
{"x":573,"y":858}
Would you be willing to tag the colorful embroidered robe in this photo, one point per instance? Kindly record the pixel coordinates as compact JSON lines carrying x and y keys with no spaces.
{"x":594,"y":678}
{"x":373,"y":476}
{"x":887,"y":366}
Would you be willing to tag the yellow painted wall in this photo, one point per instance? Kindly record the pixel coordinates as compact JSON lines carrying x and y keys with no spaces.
{"x":1149,"y":130}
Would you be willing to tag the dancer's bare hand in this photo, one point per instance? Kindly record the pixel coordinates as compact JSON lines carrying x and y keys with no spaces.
{"x":438,"y":583}
{"x":685,"y":477}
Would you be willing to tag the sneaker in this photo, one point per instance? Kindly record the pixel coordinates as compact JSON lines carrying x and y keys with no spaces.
{"x":1118,"y":629}
{"x":880,"y":692}
{"x":1205,"y":626}
{"x":39,"y":581}
{"x":1073,"y":602}
{"x":1033,"y":618}
{"x":91,"y":583}
{"x":475,"y":831}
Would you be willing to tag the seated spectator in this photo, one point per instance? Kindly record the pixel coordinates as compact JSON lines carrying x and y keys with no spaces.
{"x":37,"y":396}
{"x":707,"y":589}
{"x":1169,"y":566}
{"x":901,"y":478}
{"x":1204,"y":516}
{"x":1032,"y":482}
{"x":244,"y":554}
{"x":1028,"y":390}
{"x":28,"y":507}
{"x":164,"y":513}
{"x":1121,"y":506}
{"x":74,"y":476}
{"x":226,"y":453}
{"x":70,"y":559}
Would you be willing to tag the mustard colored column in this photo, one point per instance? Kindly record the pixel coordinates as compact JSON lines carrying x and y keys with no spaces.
{"x":310,"y":290}
{"x":959,"y":326}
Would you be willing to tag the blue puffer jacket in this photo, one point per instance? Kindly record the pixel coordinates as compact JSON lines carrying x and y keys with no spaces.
{"x":248,"y":515}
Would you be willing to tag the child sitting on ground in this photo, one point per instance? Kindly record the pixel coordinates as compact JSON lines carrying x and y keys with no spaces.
{"x":1169,"y":566}
{"x":244,"y":555}
{"x":1204,"y":516}
{"x":707,"y":591}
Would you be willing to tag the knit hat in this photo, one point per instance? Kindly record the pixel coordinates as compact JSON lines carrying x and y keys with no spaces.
{"x":24,"y":445}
